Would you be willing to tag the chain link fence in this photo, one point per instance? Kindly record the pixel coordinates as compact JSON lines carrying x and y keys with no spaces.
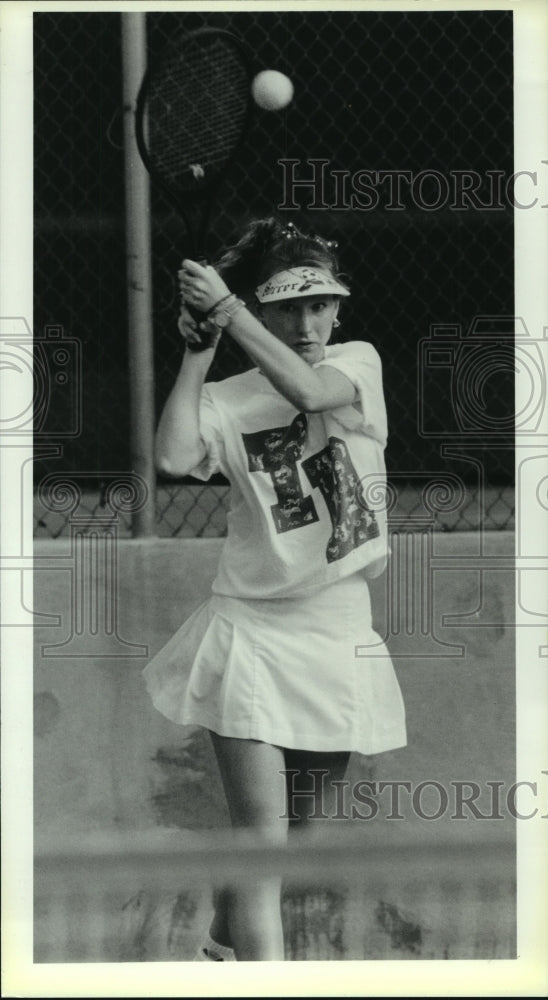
{"x":398,"y":144}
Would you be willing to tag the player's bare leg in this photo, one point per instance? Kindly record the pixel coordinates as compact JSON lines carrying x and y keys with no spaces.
{"x":219,"y":930}
{"x":311,"y":795}
{"x":249,"y":917}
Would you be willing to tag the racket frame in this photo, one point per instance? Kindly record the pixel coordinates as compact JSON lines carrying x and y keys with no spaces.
{"x":207,"y":192}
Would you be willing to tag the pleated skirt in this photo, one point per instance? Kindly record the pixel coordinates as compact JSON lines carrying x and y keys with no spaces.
{"x":305,"y":673}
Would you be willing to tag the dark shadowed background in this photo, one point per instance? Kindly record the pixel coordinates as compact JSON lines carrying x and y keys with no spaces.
{"x":373,"y":91}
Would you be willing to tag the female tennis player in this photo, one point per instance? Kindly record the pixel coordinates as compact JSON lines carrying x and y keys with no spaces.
{"x":274,"y":676}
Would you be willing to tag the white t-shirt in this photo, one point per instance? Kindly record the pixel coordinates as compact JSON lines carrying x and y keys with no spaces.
{"x":307,"y":488}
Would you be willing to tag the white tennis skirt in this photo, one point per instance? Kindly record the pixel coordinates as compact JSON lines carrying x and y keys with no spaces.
{"x":284,"y":671}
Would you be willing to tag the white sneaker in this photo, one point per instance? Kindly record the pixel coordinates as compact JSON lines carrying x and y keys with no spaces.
{"x":210,"y":951}
{"x":204,"y":955}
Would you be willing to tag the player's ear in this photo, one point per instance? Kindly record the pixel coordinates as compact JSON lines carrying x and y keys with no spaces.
{"x":336,"y":322}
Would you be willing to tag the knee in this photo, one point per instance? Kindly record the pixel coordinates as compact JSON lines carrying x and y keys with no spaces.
{"x":261,"y":822}
{"x":267,"y":833}
{"x":274,"y":836}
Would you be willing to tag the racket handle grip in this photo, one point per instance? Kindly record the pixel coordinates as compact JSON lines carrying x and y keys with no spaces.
{"x":205,"y":337}
{"x":198,"y":316}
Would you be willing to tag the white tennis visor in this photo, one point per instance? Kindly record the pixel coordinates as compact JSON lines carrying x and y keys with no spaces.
{"x":298,"y":282}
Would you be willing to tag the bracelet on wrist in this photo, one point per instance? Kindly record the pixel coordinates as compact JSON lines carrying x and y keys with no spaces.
{"x":225,"y":298}
{"x":224,"y":312}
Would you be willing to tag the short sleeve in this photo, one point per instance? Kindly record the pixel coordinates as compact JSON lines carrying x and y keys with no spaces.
{"x":212,"y":437}
{"x":360,"y":362}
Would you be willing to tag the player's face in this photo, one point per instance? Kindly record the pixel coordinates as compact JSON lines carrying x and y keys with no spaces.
{"x":303,"y":324}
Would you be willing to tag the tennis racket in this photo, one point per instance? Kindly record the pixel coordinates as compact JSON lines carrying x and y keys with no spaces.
{"x":193,"y":109}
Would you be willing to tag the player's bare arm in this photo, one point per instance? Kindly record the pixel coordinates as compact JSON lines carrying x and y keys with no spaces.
{"x":308,"y":389}
{"x":179,"y":447}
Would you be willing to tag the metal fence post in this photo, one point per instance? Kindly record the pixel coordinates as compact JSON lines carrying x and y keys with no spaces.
{"x":139,"y":280}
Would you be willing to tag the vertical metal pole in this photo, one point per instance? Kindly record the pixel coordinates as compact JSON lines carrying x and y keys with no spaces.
{"x":139,"y":280}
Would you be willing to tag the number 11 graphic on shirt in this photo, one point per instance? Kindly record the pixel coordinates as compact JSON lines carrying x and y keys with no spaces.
{"x":277,"y":450}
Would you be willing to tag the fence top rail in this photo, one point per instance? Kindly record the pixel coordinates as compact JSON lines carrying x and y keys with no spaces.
{"x":229,"y":855}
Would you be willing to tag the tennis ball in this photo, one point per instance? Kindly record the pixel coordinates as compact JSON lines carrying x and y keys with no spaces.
{"x":272,"y":90}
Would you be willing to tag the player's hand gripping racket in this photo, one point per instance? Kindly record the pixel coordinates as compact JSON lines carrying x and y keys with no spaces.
{"x":193,"y":109}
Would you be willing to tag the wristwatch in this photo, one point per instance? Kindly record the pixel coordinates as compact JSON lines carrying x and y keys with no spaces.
{"x":222,"y":314}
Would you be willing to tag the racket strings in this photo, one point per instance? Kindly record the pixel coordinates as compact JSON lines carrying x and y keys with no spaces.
{"x":197,"y":108}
